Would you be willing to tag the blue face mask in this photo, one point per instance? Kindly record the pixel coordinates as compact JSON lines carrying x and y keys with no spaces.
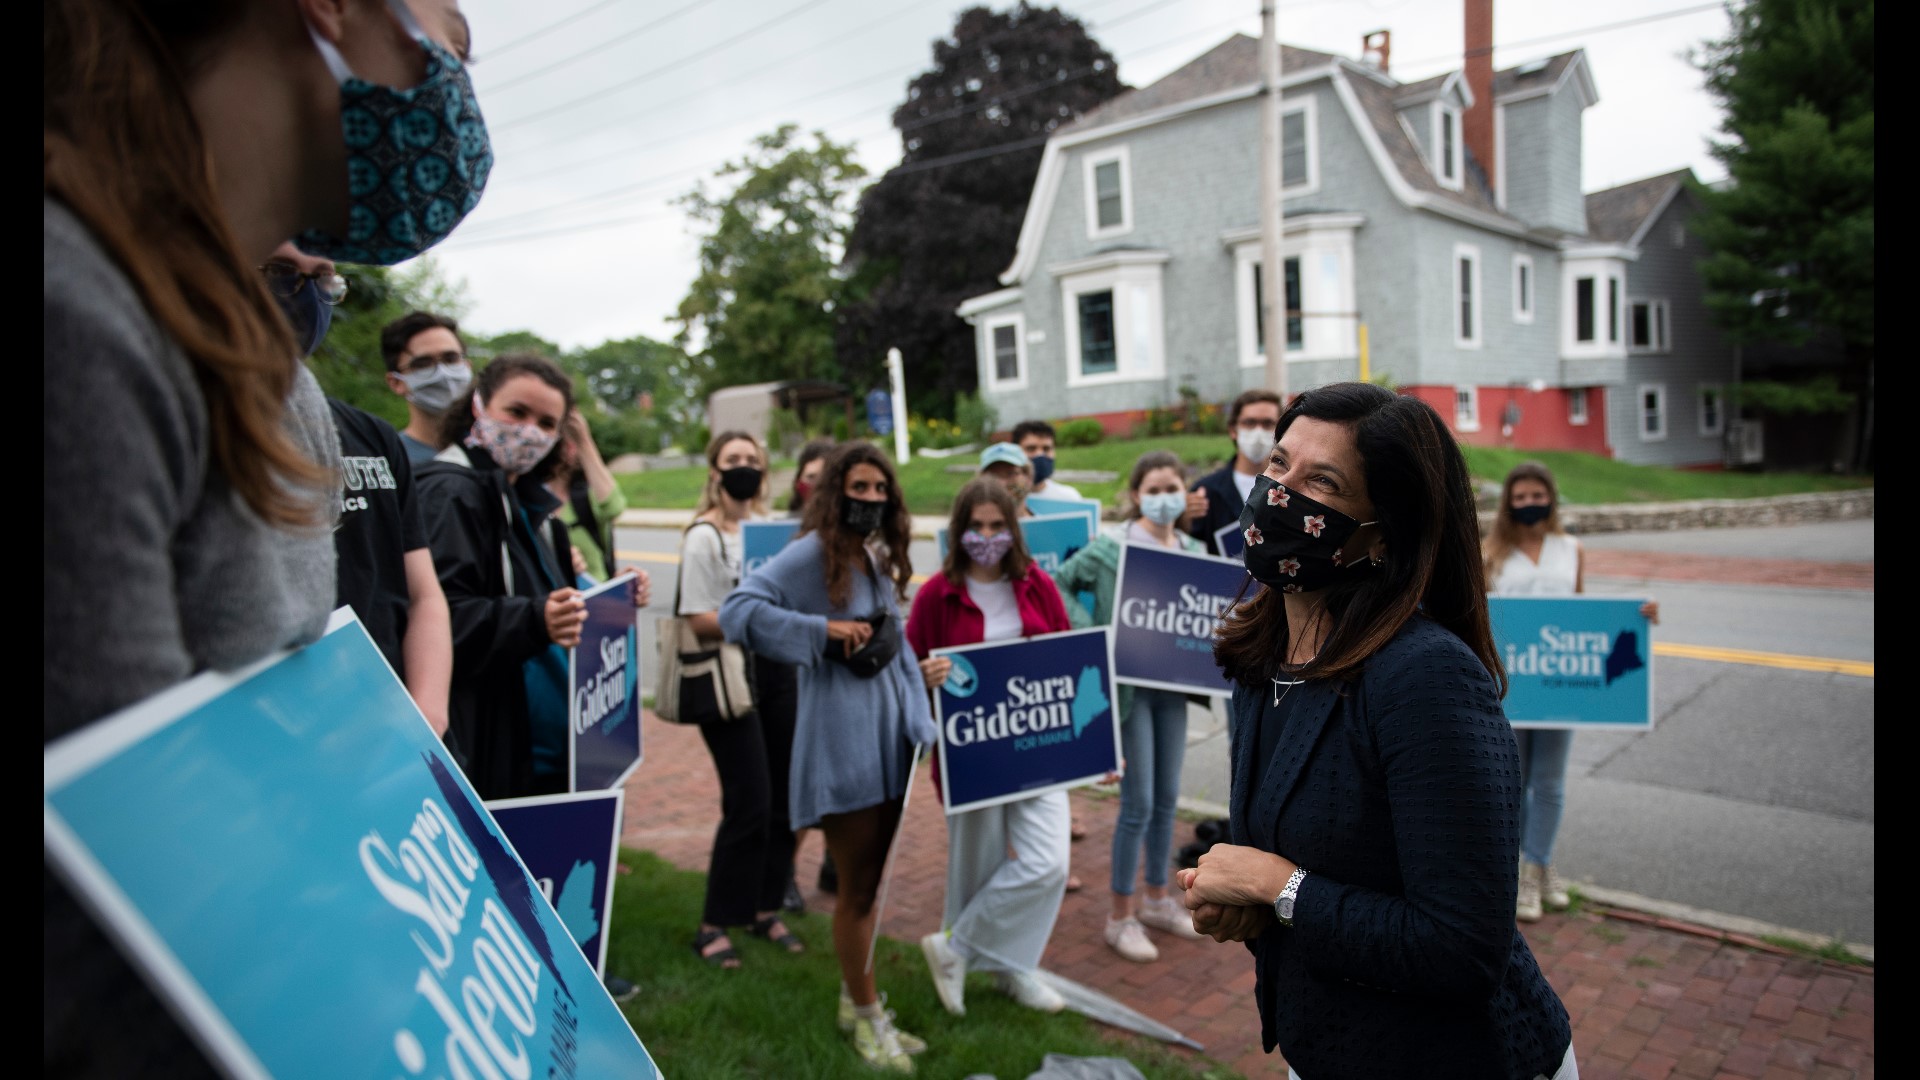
{"x":1164,"y":508}
{"x":417,"y":159}
{"x":1042,"y":468}
{"x":309,"y":315}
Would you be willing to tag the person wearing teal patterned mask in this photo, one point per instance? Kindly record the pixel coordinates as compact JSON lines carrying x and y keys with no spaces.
{"x":418,"y":157}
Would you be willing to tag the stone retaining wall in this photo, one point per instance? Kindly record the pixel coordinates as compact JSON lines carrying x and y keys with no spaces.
{"x":1713,"y":513}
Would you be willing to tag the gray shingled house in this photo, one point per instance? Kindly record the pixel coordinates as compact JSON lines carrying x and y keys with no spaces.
{"x":1447,"y":220}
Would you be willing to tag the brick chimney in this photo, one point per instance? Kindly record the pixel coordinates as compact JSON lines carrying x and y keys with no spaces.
{"x":1477,"y":125}
{"x":1375,"y":48}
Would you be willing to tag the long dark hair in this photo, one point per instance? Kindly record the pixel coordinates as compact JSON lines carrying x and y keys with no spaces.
{"x":845,"y":550}
{"x":458,"y":421}
{"x":120,"y":146}
{"x":1505,"y":534}
{"x":813,"y":451}
{"x":1423,"y":500}
{"x":984,"y":489}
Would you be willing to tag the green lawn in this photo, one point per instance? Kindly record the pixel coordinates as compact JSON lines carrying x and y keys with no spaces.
{"x":1584,"y":478}
{"x":775,"y":1016}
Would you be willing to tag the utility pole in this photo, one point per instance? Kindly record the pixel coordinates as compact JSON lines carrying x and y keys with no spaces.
{"x":1273,"y":270}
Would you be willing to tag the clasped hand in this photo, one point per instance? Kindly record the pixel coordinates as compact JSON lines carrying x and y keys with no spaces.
{"x":1231,"y":891}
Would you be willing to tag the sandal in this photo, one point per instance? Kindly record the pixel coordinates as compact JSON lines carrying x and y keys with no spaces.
{"x":785,"y":938}
{"x":725,"y":959}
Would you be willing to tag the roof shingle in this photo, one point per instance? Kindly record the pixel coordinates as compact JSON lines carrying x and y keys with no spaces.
{"x":1615,"y":214}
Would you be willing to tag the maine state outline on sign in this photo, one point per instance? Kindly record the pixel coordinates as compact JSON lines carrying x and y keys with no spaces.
{"x":1625,"y":656}
{"x":1089,"y":699}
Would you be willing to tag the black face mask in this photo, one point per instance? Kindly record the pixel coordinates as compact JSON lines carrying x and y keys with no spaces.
{"x":308,"y":314}
{"x":742,"y":482}
{"x":1530,"y":515}
{"x":1293,"y":543}
{"x":862,"y":516}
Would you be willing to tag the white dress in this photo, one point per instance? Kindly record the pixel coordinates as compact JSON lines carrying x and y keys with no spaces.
{"x":1557,"y":572}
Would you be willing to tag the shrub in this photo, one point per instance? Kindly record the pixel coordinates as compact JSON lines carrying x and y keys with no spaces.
{"x":1084,"y":432}
{"x":974,"y":418}
{"x":934,"y":433}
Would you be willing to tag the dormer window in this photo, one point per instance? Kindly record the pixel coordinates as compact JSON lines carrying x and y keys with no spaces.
{"x":1449,"y":164}
{"x":1109,"y":193}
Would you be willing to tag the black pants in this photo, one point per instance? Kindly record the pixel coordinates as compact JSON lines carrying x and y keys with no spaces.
{"x":753,"y":848}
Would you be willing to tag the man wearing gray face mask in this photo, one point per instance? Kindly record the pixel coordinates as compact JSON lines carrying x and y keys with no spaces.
{"x":427,"y":365}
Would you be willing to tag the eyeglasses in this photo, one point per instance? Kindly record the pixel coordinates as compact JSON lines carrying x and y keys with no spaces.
{"x":284,"y":280}
{"x":429,"y":361}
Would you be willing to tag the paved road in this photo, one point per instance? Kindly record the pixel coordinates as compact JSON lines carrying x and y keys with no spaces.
{"x":1753,"y":794}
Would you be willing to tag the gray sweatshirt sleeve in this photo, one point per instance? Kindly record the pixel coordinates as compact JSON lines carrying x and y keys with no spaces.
{"x":124,"y":447}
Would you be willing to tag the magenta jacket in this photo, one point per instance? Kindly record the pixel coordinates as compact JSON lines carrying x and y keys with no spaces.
{"x":943,"y":613}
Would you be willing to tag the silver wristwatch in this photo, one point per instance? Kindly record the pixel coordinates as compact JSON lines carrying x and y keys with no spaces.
{"x":1283,"y":904}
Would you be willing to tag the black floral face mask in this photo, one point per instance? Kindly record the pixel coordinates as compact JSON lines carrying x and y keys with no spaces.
{"x":1293,"y":543}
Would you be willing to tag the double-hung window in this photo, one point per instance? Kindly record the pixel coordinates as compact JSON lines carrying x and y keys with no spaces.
{"x":1296,"y":333}
{"x":1466,"y":296}
{"x":1653,"y":412}
{"x":1647,"y":326}
{"x":1713,"y":409}
{"x":1466,"y":408}
{"x":1109,"y":192}
{"x":1007,"y":352}
{"x":1523,"y":288}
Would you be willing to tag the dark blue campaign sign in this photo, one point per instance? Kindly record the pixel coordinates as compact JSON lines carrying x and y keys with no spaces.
{"x":762,"y":540}
{"x":1230,"y":541}
{"x":291,"y":858}
{"x":1166,"y":604}
{"x":604,"y":690}
{"x":570,"y":844}
{"x":1022,"y":718}
{"x":1574,"y":661}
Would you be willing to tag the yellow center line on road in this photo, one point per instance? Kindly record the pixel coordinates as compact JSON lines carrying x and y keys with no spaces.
{"x":1789,"y":661}
{"x":1863,"y":668}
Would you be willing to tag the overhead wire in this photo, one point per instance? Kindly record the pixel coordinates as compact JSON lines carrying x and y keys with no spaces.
{"x":602,"y":46}
{"x":536,"y":35}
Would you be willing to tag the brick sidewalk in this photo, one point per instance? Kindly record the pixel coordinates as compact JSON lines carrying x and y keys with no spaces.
{"x":1646,"y":1001}
{"x":1728,"y":570}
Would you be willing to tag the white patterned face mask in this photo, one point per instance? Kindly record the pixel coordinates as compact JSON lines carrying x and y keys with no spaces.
{"x":516,"y":448}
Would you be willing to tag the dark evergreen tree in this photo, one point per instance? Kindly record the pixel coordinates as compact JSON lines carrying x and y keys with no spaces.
{"x":1792,"y":230}
{"x":941,"y":226}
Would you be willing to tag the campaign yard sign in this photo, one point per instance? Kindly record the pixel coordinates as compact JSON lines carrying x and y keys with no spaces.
{"x":1166,"y":604}
{"x":570,"y":844}
{"x":1042,"y":506}
{"x":762,"y":540}
{"x":1574,"y":661}
{"x":603,"y":681}
{"x":1230,"y":541}
{"x":1022,"y":718}
{"x":1051,"y":538}
{"x":292,"y":859}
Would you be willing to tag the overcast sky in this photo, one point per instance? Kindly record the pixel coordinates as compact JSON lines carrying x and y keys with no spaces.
{"x":599,"y":122}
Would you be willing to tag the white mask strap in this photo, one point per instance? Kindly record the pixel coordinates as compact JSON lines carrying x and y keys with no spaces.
{"x":337,"y":64}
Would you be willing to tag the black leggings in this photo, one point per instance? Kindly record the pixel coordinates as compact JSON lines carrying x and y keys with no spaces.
{"x":753,"y":848}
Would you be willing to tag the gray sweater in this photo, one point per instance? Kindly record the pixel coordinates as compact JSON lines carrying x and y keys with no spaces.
{"x":154,"y":568}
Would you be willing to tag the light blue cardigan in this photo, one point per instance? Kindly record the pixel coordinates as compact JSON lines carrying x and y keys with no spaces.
{"x":854,"y":738}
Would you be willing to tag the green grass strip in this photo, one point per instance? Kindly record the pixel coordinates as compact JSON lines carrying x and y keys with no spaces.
{"x":774,"y":1017}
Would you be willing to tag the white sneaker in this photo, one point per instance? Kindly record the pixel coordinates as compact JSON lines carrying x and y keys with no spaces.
{"x":1553,"y":891}
{"x":1027,"y":988}
{"x":878,"y":1044}
{"x":1129,"y":939}
{"x":1171,"y":916}
{"x":848,"y":1016}
{"x":1526,"y":906}
{"x":949,"y":971}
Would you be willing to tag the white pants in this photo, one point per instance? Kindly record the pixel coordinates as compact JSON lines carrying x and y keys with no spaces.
{"x":1006,"y":875}
{"x":1568,"y":1070}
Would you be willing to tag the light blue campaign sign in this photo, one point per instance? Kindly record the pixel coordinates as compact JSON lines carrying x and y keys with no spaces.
{"x":1166,"y":604}
{"x":292,"y":858}
{"x":1022,"y":718}
{"x":1574,"y":661}
{"x":604,"y":690}
{"x":1041,"y":506}
{"x":762,"y":540}
{"x":1051,"y":540}
{"x":570,"y":844}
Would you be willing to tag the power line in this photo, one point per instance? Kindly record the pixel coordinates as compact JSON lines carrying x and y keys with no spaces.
{"x":550,"y":28}
{"x":1602,"y":28}
{"x":601,"y":47}
{"x":804,"y":6}
{"x":915,"y":124}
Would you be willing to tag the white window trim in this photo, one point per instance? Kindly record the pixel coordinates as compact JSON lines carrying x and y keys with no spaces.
{"x":1310,"y":108}
{"x":1124,"y":279}
{"x":1473,"y":395}
{"x":1659,"y":326}
{"x":1584,"y":396}
{"x":1524,"y":315}
{"x":1018,"y":321}
{"x":1601,"y":270}
{"x":1458,"y":162}
{"x":1700,"y":404}
{"x":1333,"y":332}
{"x":1091,"y":163}
{"x":1640,"y":411}
{"x":1479,"y":337}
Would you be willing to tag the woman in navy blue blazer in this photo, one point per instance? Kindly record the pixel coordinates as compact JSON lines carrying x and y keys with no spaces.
{"x":1376,"y":784}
